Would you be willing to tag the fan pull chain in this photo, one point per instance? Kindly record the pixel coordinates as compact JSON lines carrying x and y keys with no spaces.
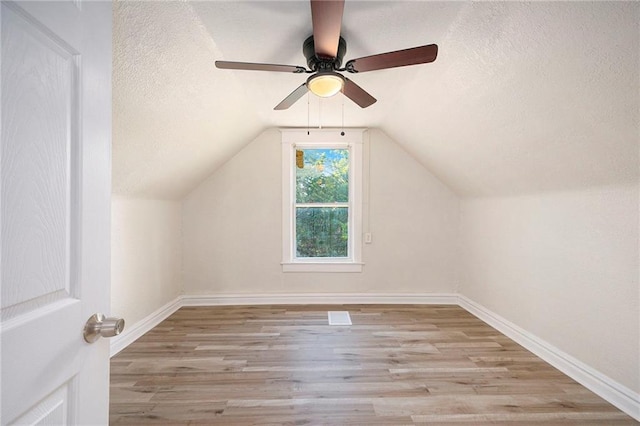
{"x":319,"y":113}
{"x":342,"y":132}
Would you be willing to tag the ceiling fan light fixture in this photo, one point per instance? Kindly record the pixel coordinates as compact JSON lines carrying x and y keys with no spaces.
{"x":325,"y":84}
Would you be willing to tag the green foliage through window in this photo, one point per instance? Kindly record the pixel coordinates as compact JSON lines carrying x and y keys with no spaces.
{"x":322,"y":232}
{"x":324,"y":177}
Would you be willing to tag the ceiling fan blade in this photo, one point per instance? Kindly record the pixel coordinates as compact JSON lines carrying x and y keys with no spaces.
{"x":249,"y":66}
{"x":357,"y":94}
{"x":326,"y":16}
{"x":293,"y":97}
{"x":399,"y":58}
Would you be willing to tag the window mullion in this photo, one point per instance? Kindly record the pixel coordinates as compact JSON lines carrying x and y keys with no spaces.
{"x":321,"y":205}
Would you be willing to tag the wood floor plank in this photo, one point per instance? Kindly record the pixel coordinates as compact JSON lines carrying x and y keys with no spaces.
{"x":396,"y":365}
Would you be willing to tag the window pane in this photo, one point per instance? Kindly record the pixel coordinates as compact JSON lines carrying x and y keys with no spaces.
{"x":324,"y":177}
{"x":322,"y":232}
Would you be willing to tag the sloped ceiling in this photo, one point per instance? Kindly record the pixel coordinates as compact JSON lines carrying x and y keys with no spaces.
{"x":524,"y":97}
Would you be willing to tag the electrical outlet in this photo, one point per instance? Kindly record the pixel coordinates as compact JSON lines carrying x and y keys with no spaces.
{"x":367,"y":238}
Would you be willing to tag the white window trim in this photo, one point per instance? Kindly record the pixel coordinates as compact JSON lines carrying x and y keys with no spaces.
{"x":292,"y":138}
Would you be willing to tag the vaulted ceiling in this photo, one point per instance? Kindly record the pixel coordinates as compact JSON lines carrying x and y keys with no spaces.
{"x":524,"y":97}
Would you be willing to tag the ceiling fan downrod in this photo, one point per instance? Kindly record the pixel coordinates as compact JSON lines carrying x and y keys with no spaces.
{"x":318,"y":63}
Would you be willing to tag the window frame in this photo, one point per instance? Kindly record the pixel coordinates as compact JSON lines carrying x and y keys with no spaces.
{"x":320,"y":139}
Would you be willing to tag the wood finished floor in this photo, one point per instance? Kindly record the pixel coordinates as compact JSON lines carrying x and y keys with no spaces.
{"x":396,"y":365}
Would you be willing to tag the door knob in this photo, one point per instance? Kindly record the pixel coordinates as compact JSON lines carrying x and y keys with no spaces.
{"x":99,"y":325}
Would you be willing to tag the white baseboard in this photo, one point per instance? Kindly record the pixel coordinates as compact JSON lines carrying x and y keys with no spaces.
{"x":620,"y":396}
{"x":320,"y":299}
{"x":135,"y":331}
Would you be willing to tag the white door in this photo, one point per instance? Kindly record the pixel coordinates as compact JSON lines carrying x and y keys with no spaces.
{"x":56,"y":181}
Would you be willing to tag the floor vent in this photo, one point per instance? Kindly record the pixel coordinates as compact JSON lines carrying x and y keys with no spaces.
{"x":339,"y":318}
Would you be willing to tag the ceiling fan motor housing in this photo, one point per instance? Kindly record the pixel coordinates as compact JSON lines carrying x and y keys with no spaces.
{"x":316,"y":63}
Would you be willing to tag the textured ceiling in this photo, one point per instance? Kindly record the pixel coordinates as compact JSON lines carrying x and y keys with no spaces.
{"x":524,"y":97}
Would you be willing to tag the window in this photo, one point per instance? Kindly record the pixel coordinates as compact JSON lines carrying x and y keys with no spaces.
{"x":322,"y":201}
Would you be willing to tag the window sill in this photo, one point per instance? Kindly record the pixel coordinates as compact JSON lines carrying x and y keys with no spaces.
{"x":321,"y":267}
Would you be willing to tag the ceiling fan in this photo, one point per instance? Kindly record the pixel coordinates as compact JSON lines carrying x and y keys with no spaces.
{"x":325,"y":50}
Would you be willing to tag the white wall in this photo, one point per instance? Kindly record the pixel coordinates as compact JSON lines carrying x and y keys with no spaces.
{"x":232,"y":228}
{"x":146,"y":260}
{"x":564,"y":267}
